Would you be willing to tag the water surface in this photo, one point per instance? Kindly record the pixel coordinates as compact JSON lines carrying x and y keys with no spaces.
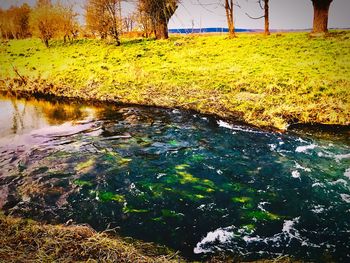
{"x":194,"y":183}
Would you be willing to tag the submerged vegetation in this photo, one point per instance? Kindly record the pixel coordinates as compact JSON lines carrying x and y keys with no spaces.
{"x":264,"y":81}
{"x":190,"y":182}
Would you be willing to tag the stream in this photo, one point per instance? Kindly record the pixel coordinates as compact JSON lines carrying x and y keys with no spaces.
{"x":195,"y":183}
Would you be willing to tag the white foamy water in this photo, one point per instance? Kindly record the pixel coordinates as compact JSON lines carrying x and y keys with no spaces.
{"x":305,"y":148}
{"x":295,"y":174}
{"x":345,"y":197}
{"x":231,"y":235}
{"x":318,"y":209}
{"x":347,"y":173}
{"x":300,"y":167}
{"x":221,"y":235}
{"x":340,"y":157}
{"x":236,"y":127}
{"x":339,"y":181}
{"x":272,"y":147}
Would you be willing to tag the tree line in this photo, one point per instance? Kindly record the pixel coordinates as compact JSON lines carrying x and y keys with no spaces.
{"x":45,"y":20}
{"x":104,"y":19}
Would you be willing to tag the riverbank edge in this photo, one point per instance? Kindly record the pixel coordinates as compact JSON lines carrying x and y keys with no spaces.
{"x":25,"y":240}
{"x":41,"y":88}
{"x":26,"y":88}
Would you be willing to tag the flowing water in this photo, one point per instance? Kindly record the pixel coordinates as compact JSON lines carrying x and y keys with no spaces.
{"x":194,"y":183}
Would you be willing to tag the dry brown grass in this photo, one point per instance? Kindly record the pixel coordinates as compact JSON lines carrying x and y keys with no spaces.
{"x":28,"y":241}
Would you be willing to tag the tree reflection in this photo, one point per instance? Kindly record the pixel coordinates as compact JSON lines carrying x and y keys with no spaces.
{"x":56,"y":113}
{"x":33,"y":114}
{"x":18,"y":116}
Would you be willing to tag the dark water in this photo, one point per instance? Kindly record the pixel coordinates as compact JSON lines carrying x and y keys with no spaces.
{"x":196,"y":184}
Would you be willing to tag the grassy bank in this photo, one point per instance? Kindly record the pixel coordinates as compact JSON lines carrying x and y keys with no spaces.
{"x":265,"y":81}
{"x":28,"y":241}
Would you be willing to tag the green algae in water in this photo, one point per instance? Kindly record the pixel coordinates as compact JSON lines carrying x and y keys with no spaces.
{"x":127,"y":209}
{"x":186,"y":177}
{"x":188,"y":182}
{"x":197,"y":157}
{"x":109,"y":196}
{"x":242,"y":199}
{"x":85,"y":165}
{"x":115,"y":158}
{"x":82,"y":183}
{"x":203,"y":188}
{"x":181,"y":166}
{"x":174,"y":143}
{"x":262,"y":215}
{"x":170,"y":213}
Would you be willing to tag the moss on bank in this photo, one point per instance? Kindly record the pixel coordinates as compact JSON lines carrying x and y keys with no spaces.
{"x":264,"y":81}
{"x":28,"y":241}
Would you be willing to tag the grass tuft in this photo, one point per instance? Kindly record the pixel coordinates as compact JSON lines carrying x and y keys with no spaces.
{"x":28,"y":241}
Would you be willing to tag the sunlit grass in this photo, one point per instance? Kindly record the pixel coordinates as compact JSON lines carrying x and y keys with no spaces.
{"x":266,"y":81}
{"x":28,"y":241}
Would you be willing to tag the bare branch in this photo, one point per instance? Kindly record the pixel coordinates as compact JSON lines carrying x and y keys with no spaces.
{"x":19,"y":75}
{"x":256,"y":18}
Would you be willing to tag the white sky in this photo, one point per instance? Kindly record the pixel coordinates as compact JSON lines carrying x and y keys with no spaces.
{"x":284,"y":14}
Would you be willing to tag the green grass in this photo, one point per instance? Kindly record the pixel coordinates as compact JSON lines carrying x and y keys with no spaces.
{"x":265,"y":81}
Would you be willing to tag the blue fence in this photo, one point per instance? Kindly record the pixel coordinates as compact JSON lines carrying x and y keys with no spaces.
{"x":205,"y":30}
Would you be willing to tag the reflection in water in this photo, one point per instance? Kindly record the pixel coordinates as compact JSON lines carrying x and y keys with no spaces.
{"x":38,"y":114}
{"x":28,"y":116}
{"x":58,"y":114}
{"x":194,"y":183}
{"x":17,"y":119}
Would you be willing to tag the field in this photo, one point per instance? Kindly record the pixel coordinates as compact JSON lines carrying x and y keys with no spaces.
{"x":264,"y":81}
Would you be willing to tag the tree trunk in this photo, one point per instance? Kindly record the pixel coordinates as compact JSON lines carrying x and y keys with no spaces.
{"x":117,"y":41}
{"x":231,"y":31}
{"x":46,"y":42}
{"x":229,"y":7}
{"x":115,"y":35}
{"x":267,"y":18}
{"x":321,"y":10}
{"x":161,"y":31}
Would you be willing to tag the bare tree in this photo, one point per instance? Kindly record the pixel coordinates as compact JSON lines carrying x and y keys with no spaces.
{"x":68,"y":24}
{"x":321,"y":12}
{"x":159,"y":13}
{"x":266,"y":15}
{"x":144,"y":21}
{"x":129,"y":22}
{"x":45,"y":20}
{"x":103,"y":16}
{"x":14,"y":22}
{"x":229,"y":8}
{"x":48,"y":20}
{"x":96,"y":21}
